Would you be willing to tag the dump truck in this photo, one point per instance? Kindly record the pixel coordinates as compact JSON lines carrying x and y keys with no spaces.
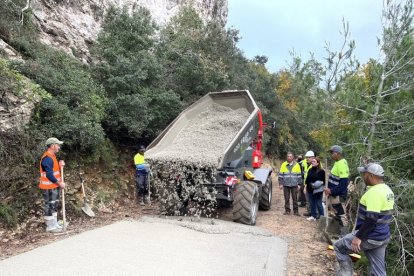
{"x":238,"y":176}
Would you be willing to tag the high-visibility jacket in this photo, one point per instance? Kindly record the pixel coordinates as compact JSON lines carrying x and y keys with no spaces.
{"x":44,"y":182}
{"x":292,"y":177}
{"x":306,"y":167}
{"x":339,"y":178}
{"x":140,"y":165}
{"x":377,"y":204}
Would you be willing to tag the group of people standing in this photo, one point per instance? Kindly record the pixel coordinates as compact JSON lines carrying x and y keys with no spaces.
{"x":371,"y":233}
{"x":306,"y":181}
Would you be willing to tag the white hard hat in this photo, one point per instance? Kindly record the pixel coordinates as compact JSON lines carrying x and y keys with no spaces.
{"x":310,"y":154}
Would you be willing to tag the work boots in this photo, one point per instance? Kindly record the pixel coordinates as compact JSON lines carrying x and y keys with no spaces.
{"x":51,"y":225}
{"x":141,"y":201}
{"x":59,"y":223}
{"x":345,"y":269}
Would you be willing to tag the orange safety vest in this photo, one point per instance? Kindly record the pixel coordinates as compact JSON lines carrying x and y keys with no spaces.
{"x":44,"y":182}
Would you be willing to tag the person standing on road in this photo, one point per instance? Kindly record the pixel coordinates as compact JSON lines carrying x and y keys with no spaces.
{"x":315,"y":183}
{"x":290,"y":177}
{"x":141,"y":176}
{"x":50,"y":183}
{"x":338,"y":187}
{"x":372,"y":231}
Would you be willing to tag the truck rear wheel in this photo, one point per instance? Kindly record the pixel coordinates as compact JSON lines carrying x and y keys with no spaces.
{"x":246,"y":203}
{"x":266,"y":198}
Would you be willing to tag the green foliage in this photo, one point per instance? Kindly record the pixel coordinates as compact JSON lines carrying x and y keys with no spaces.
{"x":402,"y":236}
{"x":374,"y":108}
{"x":76,"y":108}
{"x":17,"y":177}
{"x":123,"y":50}
{"x":193,"y":55}
{"x":163,"y":106}
{"x":15,"y":83}
{"x":10,"y":18}
{"x":313,"y":108}
{"x":138,"y":106}
{"x":7,"y":216}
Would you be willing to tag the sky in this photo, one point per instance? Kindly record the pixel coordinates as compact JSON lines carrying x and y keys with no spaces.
{"x":275,"y":27}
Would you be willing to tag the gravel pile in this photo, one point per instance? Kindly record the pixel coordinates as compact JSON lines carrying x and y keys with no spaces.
{"x":205,"y":138}
{"x":181,"y":171}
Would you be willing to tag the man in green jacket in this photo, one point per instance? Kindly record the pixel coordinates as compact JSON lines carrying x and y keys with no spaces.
{"x":338,"y":186}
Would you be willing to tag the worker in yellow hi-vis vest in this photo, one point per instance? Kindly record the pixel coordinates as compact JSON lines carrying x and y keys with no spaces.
{"x":372,"y":231}
{"x":141,"y":176}
{"x":290,"y":176}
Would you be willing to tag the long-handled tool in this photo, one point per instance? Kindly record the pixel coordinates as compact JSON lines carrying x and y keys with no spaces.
{"x":63,"y":201}
{"x":325,"y":208}
{"x":85,"y":208}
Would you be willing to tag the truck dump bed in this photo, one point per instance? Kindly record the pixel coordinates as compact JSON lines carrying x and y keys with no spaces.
{"x":214,"y":131}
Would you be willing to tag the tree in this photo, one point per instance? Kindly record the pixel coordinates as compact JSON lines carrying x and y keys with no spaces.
{"x":194,"y":55}
{"x":377,"y":105}
{"x":130,"y":71}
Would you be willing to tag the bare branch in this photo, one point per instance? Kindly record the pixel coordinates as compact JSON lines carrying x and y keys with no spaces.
{"x":28,"y":6}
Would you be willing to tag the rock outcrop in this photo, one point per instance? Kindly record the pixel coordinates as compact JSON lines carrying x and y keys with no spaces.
{"x":73,"y":25}
{"x":18,"y":96}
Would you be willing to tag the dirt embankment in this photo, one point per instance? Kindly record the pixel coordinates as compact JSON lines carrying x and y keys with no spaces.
{"x":307,"y":254}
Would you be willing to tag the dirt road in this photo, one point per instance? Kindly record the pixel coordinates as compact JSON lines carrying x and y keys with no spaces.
{"x":307,"y":252}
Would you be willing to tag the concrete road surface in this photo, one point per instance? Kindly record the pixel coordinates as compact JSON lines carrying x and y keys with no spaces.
{"x":157,"y":246}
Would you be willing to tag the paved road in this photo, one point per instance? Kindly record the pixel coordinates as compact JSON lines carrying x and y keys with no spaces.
{"x":157,"y":246}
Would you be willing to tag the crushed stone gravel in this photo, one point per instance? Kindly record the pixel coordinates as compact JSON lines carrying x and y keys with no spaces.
{"x":181,"y":171}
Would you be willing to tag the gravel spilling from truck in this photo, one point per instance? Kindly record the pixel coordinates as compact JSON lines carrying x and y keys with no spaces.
{"x":181,"y":171}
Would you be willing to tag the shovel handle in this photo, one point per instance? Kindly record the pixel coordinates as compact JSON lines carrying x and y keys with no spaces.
{"x":63,"y":201}
{"x":83,"y":189}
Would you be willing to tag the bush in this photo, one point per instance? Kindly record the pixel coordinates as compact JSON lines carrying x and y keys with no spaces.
{"x":77,"y":106}
{"x":7,"y":216}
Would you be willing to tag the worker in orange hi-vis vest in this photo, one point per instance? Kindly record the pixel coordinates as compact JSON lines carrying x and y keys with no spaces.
{"x":50,"y":183}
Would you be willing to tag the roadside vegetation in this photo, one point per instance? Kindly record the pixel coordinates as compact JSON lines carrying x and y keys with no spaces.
{"x":142,"y":76}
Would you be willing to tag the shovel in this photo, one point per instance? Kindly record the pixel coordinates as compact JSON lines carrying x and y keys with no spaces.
{"x":86,"y":208}
{"x":63,"y":201}
{"x":325,"y":209}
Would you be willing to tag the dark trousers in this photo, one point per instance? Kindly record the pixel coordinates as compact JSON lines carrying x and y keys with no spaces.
{"x":141,"y":181}
{"x":287,"y":192}
{"x":51,"y":197}
{"x":315,"y":201}
{"x":374,"y":251}
{"x":302,"y":197}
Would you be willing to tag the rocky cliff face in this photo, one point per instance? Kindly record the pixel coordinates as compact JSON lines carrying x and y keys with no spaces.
{"x":72,"y":25}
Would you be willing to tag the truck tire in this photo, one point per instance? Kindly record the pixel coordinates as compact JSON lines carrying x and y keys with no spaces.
{"x":266,"y":197}
{"x":246,"y":203}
